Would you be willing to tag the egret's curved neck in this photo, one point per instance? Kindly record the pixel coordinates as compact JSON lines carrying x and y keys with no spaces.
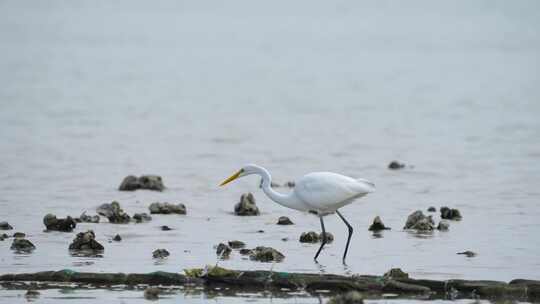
{"x":280,"y":198}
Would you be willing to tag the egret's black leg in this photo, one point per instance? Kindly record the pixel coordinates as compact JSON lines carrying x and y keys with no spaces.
{"x":350,"y":235}
{"x":323,"y":239}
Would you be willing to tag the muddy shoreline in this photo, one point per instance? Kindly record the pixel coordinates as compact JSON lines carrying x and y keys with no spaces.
{"x":210,"y":278}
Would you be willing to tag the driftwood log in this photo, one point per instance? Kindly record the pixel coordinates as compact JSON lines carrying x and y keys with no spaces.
{"x":210,"y":277}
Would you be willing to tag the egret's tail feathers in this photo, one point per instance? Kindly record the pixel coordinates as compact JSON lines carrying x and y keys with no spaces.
{"x":369,"y":186}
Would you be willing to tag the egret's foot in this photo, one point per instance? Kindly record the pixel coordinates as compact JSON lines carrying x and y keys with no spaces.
{"x":322,"y":268}
{"x":347,"y":270}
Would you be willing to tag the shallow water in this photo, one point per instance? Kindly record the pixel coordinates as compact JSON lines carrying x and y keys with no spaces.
{"x":173,"y":296}
{"x":94,"y":91}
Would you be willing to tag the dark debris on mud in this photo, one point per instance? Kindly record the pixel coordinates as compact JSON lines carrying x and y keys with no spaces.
{"x":148,"y":182}
{"x":51,"y":222}
{"x":246,"y":206}
{"x":114,"y":213}
{"x":160,"y":253}
{"x":314,"y":237}
{"x":86,"y":241}
{"x":167,"y":208}
{"x":22,"y":245}
{"x":378,"y":225}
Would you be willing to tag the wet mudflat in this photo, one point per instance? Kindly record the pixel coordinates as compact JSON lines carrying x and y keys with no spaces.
{"x":83,"y":104}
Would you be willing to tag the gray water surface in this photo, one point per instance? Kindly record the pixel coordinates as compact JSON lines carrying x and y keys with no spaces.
{"x":92,"y":91}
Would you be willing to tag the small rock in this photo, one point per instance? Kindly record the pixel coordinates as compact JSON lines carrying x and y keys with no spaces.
{"x":395,"y":165}
{"x":417,"y":220}
{"x":31,"y":293}
{"x":5,"y":226}
{"x":236,"y":244}
{"x":285,"y":239}
{"x":377,"y":225}
{"x":432,"y":209}
{"x":86,"y":241}
{"x":3,"y":236}
{"x":53,"y":223}
{"x":266,"y":254}
{"x":245,"y":251}
{"x":22,"y":245}
{"x":117,"y":238}
{"x":166,"y":208}
{"x":166,"y":228}
{"x":151,"y":293}
{"x":246,"y":206}
{"x":272,"y":184}
{"x":19,"y":235}
{"x":425,"y":224}
{"x":309,"y":237}
{"x":106,"y":209}
{"x":130,"y":183}
{"x":283,"y":220}
{"x":223,"y":251}
{"x":289,"y":184}
{"x":260,"y":231}
{"x":468,"y":253}
{"x":142,"y":217}
{"x":83,"y":218}
{"x":149,"y":182}
{"x":443,"y":226}
{"x":160,"y":253}
{"x":396,"y":273}
{"x":450,"y":214}
{"x":351,"y":297}
{"x":329,"y":237}
{"x":114,"y":213}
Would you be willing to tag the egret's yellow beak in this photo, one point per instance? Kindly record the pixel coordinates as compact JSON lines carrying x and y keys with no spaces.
{"x":232,"y":177}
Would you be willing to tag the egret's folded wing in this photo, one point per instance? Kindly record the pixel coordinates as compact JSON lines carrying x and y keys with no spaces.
{"x":328,"y":191}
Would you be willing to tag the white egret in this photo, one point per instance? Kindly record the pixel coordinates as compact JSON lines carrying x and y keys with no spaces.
{"x":319,"y":193}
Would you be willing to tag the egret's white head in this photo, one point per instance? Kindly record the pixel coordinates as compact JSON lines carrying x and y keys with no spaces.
{"x":245,"y":170}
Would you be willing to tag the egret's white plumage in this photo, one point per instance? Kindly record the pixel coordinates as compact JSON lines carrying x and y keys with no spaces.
{"x":321,"y":193}
{"x":325,"y":192}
